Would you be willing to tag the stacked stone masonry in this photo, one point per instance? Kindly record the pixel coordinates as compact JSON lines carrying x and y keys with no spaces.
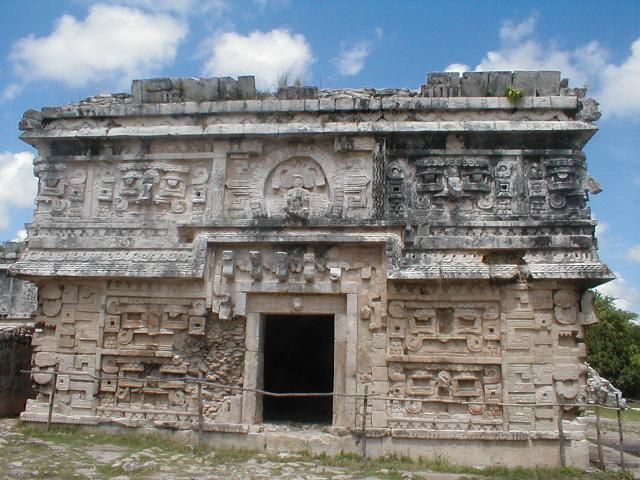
{"x":446,"y":230}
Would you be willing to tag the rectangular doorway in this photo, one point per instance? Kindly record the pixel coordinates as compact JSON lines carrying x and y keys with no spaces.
{"x":298,"y":357}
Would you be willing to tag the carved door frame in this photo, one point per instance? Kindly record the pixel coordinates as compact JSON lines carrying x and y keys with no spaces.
{"x":345,"y":347}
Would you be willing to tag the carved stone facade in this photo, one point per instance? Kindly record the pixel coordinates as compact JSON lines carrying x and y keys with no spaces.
{"x":446,"y":232}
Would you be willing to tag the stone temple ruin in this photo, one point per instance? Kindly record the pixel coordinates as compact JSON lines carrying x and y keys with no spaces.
{"x":431,"y":246}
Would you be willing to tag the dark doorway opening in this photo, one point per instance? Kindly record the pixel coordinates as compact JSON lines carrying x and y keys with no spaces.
{"x":298,"y":357}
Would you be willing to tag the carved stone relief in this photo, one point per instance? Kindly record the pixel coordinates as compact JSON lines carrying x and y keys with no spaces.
{"x":297,"y":183}
{"x":487,"y":186}
{"x":61,"y":190}
{"x":138,"y":188}
{"x":430,"y":396}
{"x":418,"y":328}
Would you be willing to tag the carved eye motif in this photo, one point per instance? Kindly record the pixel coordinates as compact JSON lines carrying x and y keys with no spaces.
{"x":172,"y":182}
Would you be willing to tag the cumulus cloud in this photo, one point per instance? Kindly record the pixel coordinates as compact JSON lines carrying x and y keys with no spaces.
{"x":628,"y":297}
{"x":263,"y":4}
{"x":619,"y":92}
{"x":267,"y":55}
{"x":633,"y":253}
{"x":10,"y":91}
{"x":21,"y":235}
{"x":458,"y":67}
{"x":601,"y":228}
{"x":178,"y":7}
{"x":350,"y":60}
{"x":615,"y":86}
{"x":519,"y":51}
{"x":514,"y":32}
{"x":112,"y":42}
{"x":18,"y":186}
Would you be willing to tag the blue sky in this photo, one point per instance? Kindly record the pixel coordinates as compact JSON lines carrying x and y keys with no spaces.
{"x":57,"y":52}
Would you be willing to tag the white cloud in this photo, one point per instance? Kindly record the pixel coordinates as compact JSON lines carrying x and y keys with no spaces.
{"x":10,"y":91}
{"x":262,"y":4}
{"x":628,"y":297}
{"x":350,"y":60}
{"x":267,"y":55}
{"x":601,"y":228}
{"x":633,"y":253}
{"x":178,"y":7}
{"x":112,"y":42}
{"x":457,"y":67}
{"x":619,"y":92}
{"x":510,"y":32}
{"x":614,"y":86}
{"x":21,"y":236}
{"x":18,"y":186}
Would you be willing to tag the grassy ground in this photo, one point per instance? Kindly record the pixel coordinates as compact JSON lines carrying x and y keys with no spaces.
{"x":632,"y":415}
{"x":73,"y":443}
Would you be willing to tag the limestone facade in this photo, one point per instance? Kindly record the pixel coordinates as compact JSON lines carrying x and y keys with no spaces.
{"x":446,"y":230}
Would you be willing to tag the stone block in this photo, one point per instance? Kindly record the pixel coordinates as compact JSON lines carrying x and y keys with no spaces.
{"x":136,"y":91}
{"x":548,"y":83}
{"x":380,"y":374}
{"x":378,"y":419}
{"x":200,"y":90}
{"x":379,"y":340}
{"x":157,"y":84}
{"x":498,"y":83}
{"x":228,"y":88}
{"x":246,"y":87}
{"x":474,"y":84}
{"x":443,"y":78}
{"x":526,"y":81}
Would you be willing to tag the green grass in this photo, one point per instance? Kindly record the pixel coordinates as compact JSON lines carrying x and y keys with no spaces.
{"x":76,"y":436}
{"x":627,"y":415}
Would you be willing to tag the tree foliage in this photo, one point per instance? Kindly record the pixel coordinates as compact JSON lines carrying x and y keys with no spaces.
{"x":613,"y":346}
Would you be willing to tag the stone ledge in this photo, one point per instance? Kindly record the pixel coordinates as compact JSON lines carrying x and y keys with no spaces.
{"x":270,"y":129}
{"x":57,"y":418}
{"x":420,"y":104}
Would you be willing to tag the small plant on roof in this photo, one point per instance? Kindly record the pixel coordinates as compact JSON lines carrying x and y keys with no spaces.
{"x":514,"y":94}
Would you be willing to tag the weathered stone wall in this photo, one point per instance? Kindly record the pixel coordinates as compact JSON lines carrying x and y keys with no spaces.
{"x":446,"y":230}
{"x":17,"y":297}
